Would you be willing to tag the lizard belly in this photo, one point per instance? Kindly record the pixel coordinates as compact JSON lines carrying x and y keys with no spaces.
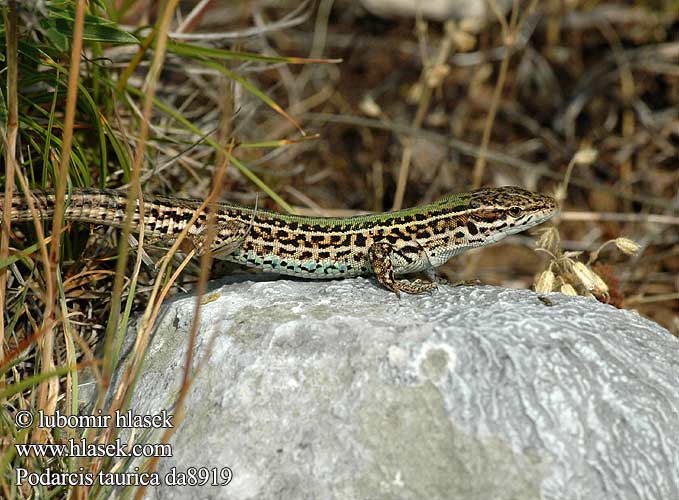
{"x":303,"y":268}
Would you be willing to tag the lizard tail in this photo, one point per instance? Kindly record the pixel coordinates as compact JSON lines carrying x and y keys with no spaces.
{"x":163,"y":217}
{"x":83,"y":205}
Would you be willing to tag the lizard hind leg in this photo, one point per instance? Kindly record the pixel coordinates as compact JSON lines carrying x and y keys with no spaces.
{"x":231,"y":234}
{"x":379,"y":255}
{"x":228,"y":238}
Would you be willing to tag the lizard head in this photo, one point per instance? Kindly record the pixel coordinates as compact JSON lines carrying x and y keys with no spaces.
{"x":494,"y":213}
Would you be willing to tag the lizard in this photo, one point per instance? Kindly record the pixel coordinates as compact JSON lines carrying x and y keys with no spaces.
{"x":384,"y":245}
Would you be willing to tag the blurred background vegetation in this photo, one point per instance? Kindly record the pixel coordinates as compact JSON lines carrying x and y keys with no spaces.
{"x":400,"y":120}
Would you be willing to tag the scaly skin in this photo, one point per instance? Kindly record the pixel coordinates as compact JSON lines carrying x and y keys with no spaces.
{"x":385,"y":244}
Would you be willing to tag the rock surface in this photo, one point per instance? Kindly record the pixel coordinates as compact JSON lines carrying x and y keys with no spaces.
{"x":340,"y":389}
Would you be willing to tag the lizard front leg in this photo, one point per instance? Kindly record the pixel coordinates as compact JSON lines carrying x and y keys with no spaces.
{"x":379,"y":255}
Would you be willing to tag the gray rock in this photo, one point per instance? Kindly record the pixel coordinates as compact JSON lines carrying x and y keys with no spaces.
{"x":340,"y":389}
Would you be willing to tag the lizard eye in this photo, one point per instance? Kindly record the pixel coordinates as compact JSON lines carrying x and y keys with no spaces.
{"x":515,"y":211}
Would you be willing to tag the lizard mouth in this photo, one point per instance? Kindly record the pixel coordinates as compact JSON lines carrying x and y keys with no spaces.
{"x":545,"y":214}
{"x":526,"y":223}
